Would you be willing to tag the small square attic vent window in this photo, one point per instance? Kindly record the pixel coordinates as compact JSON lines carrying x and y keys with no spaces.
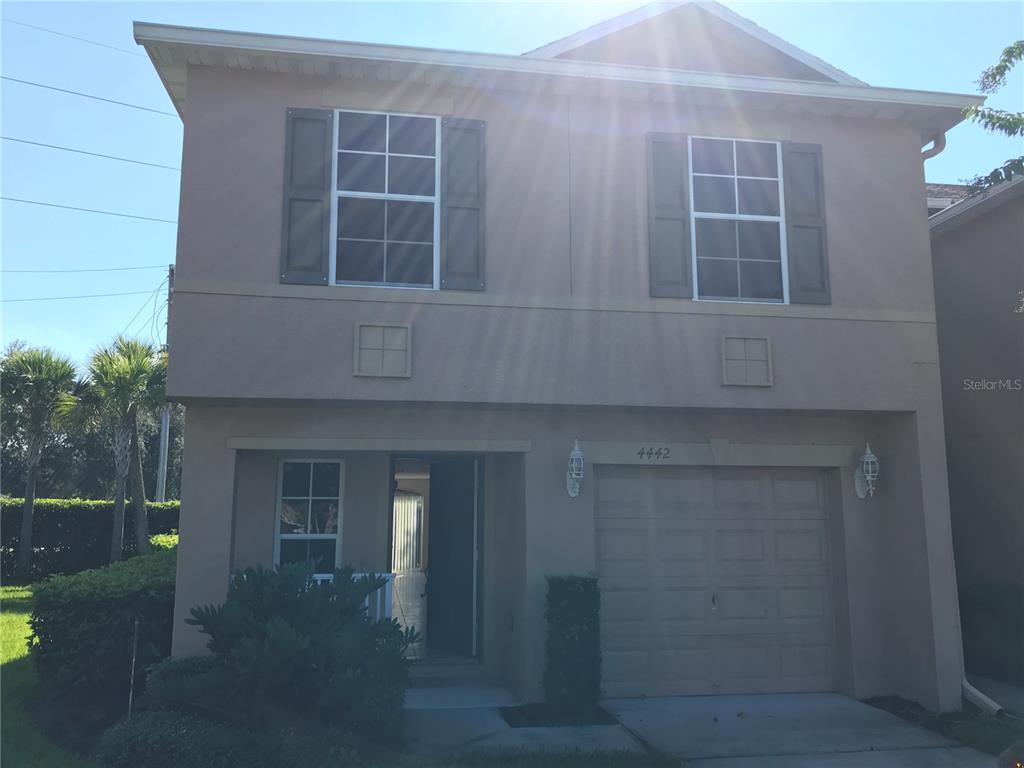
{"x":746,"y":362}
{"x":383,"y":350}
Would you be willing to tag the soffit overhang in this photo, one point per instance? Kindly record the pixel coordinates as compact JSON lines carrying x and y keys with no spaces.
{"x":173,"y":50}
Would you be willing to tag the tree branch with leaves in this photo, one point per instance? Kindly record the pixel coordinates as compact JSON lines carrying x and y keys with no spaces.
{"x":997,"y":120}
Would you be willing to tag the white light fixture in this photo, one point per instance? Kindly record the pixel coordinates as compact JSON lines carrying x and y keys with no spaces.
{"x":574,"y":474}
{"x":865,"y":477}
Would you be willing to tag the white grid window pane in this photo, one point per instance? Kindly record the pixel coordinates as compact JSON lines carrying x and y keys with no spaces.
{"x":385,"y":221}
{"x":309,"y":516}
{"x":738,"y":227}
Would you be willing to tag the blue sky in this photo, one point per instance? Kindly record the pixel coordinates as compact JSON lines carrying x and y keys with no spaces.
{"x":926,"y":45}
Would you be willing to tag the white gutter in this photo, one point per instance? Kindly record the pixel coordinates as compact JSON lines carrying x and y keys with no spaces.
{"x":156,"y":35}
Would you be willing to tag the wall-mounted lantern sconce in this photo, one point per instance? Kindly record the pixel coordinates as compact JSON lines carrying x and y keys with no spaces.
{"x":865,"y":477}
{"x":574,"y":474}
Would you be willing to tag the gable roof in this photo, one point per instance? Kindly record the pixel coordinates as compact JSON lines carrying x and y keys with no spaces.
{"x":644,"y":13}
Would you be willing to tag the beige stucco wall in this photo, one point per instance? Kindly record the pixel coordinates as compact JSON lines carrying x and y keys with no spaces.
{"x":567,"y":274}
{"x":979,"y":268}
{"x":566,"y":321}
{"x":894,"y":587}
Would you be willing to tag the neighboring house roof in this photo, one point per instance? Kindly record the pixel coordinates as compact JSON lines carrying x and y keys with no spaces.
{"x":972,"y":207}
{"x":173,"y":49}
{"x":646,"y":12}
{"x":942,"y":196}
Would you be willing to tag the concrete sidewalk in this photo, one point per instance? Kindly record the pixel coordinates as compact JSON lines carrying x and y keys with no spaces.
{"x":465,"y":718}
{"x":787,"y":731}
{"x":770,"y":731}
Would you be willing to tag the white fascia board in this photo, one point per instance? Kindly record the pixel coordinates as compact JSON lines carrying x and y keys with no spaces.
{"x":631,"y":18}
{"x":967,"y":209}
{"x":247,"y":42}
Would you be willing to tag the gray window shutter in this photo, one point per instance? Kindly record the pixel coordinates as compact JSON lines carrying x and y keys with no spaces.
{"x":306,"y":223}
{"x":806,"y":243}
{"x":668,"y":216}
{"x":463,"y":187}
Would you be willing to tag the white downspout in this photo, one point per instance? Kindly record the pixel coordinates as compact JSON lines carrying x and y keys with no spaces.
{"x":938,"y":144}
{"x":979,"y":699}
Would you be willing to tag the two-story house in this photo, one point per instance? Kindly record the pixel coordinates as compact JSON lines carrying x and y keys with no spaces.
{"x":410,"y":280}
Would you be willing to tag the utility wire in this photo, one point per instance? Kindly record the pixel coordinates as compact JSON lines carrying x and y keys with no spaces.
{"x":81,"y":296}
{"x":145,"y":304}
{"x":88,"y":96}
{"x":88,"y":210}
{"x":91,"y":154}
{"x":97,"y":269}
{"x":73,"y":37}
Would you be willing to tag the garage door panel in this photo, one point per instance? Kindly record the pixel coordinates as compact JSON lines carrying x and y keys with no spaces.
{"x":682,"y":604}
{"x":713,"y":581}
{"x":796,"y":495}
{"x":675,"y":545}
{"x":740,"y":546}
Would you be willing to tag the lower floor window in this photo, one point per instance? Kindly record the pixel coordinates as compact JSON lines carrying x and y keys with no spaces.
{"x":309,"y":514}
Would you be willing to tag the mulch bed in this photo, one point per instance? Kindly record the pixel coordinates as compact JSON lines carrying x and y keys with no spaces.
{"x":543,"y":715}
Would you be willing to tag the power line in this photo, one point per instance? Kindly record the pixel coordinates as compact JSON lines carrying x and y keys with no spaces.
{"x":88,"y":96}
{"x":97,"y":269}
{"x":81,"y":296}
{"x":91,"y":154}
{"x":73,"y":37}
{"x":145,"y":304}
{"x":88,"y":210}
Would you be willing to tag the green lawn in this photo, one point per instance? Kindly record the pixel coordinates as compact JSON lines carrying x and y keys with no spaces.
{"x":21,"y":743}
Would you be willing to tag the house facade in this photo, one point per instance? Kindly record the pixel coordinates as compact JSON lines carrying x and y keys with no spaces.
{"x":409,"y":281}
{"x":978,"y":255}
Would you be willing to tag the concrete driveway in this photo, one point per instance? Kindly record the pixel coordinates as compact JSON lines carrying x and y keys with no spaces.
{"x":823,"y":730}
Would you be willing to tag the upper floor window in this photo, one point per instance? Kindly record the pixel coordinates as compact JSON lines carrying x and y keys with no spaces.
{"x":739,"y":234}
{"x":385,"y":222}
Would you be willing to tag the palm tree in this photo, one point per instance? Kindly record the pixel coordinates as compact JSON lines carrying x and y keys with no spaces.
{"x":34,"y":382}
{"x":125,"y":380}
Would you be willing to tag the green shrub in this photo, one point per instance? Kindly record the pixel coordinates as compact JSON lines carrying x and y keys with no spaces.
{"x":83,"y":625}
{"x":993,"y":625}
{"x":288,"y":650}
{"x":172,"y":739}
{"x":72,"y":535}
{"x":572,"y":666}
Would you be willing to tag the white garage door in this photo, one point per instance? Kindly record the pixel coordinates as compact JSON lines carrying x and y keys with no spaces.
{"x":713,"y":581}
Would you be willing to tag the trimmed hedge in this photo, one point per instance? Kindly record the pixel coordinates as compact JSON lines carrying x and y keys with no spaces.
{"x":72,"y":535}
{"x":572,"y":665}
{"x":161,"y":739}
{"x":83,"y":624}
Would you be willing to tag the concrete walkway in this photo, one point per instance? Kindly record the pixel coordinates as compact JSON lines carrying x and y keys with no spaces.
{"x":465,"y":718}
{"x":787,"y":731}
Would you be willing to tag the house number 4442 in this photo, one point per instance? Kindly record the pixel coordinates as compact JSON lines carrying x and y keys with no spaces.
{"x":650,"y":453}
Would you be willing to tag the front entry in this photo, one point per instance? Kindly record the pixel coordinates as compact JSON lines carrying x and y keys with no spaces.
{"x":451,"y":547}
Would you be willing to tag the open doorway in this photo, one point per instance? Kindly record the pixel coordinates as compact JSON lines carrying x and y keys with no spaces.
{"x":435,"y":552}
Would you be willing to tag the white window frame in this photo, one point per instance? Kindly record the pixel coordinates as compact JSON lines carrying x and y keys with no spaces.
{"x":279,"y":537}
{"x":337,"y":194}
{"x":780,"y":219}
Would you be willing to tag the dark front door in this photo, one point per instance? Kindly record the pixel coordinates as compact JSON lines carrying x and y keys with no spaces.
{"x":450,"y":556}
